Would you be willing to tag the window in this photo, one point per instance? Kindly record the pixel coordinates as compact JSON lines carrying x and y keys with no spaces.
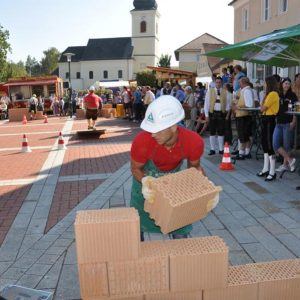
{"x":78,"y":75}
{"x":120,"y":74}
{"x":245,"y":19}
{"x":283,"y":6}
{"x":105,"y":74}
{"x":91,"y":75}
{"x":143,"y":26}
{"x":67,"y":74}
{"x":266,"y":10}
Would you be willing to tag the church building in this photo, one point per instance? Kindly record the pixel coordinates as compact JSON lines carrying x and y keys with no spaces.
{"x":110,"y":59}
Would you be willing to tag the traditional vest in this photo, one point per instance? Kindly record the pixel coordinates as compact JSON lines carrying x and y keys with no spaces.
{"x":213,"y":99}
{"x":241,"y":104}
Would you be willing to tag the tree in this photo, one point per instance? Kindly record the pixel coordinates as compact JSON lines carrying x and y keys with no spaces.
{"x":15,"y":69}
{"x":165,"y":61}
{"x":4,"y":49}
{"x":146,"y":78}
{"x":32,"y":66}
{"x":50,"y":60}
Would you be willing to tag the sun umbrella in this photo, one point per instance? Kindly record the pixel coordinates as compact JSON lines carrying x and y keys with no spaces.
{"x":279,"y":48}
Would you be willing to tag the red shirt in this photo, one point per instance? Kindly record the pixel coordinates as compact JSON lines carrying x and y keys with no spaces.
{"x":189,"y":146}
{"x":92,"y":100}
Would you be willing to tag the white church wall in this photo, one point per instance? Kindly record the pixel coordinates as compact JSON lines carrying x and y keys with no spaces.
{"x":111,"y":66}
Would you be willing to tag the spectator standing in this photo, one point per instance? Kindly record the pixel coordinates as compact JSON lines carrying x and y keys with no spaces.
{"x":138,"y":106}
{"x":296,"y":86}
{"x":238,"y":75}
{"x":216,"y":109}
{"x":284,"y":126}
{"x":149,"y":97}
{"x":33,"y":101}
{"x":269,"y":109}
{"x":190,"y":108}
{"x":244,"y":118}
{"x":180,"y":95}
{"x":127,"y":103}
{"x":225,"y":76}
{"x":167,"y":89}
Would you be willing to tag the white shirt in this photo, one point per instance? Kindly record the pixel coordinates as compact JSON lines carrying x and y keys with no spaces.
{"x":248,"y":96}
{"x":125,"y":97}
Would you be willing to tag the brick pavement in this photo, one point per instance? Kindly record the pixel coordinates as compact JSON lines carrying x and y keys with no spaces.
{"x":12,"y":198}
{"x":66,"y":196}
{"x":259,"y":220}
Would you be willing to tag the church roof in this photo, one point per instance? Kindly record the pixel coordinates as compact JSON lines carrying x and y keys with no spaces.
{"x":144,"y":4}
{"x":101,"y":49}
{"x":197,"y":43}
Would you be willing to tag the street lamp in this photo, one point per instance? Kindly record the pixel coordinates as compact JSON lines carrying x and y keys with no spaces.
{"x":69,"y":58}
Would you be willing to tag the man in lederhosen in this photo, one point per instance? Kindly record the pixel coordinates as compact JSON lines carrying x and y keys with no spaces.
{"x":216,"y":110}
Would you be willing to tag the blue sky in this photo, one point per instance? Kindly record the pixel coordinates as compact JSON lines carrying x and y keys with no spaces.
{"x":36,"y":25}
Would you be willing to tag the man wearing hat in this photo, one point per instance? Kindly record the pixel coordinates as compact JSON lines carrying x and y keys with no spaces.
{"x":92,"y":103}
{"x":158,"y":150}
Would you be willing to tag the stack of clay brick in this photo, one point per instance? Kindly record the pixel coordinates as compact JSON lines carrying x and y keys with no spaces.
{"x":180,"y":199}
{"x":107,"y":111}
{"x":114,"y":264}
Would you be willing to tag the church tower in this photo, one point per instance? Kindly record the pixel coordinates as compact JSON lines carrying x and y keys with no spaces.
{"x":145,"y":34}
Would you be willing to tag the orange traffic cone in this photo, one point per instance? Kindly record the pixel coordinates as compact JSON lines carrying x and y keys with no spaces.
{"x":46,"y":119}
{"x":226,"y":164}
{"x":25,"y":147}
{"x":61,"y":143}
{"x":24,"y":122}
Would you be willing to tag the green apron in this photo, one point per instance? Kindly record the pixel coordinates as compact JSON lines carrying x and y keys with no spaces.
{"x":137,"y":200}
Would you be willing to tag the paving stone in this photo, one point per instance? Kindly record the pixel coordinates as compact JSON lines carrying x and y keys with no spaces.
{"x":239,"y":257}
{"x":29,"y":281}
{"x":38,"y":269}
{"x":4,"y":266}
{"x":276,"y":248}
{"x":231,"y":204}
{"x":50,"y":280}
{"x":55,"y":250}
{"x":244,"y":218}
{"x":272,"y":226}
{"x":230,"y":241}
{"x":4,"y":282}
{"x":267,"y":206}
{"x":285,"y":220}
{"x":62,"y":242}
{"x":48,"y":259}
{"x":255,"y":211}
{"x":14,"y":273}
{"x":258,"y":252}
{"x":24,"y":262}
{"x":291,"y":242}
{"x":71,"y":256}
{"x":211,"y":222}
{"x":68,"y":285}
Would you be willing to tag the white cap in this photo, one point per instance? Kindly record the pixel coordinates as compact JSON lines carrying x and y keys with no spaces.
{"x":162,"y":113}
{"x":92,"y":88}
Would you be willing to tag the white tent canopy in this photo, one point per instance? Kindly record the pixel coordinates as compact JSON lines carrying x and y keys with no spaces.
{"x":111,"y":84}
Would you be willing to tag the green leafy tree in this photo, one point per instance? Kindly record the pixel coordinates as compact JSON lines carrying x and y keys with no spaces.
{"x":50,"y":60}
{"x":146,"y":78}
{"x":15,"y":69}
{"x":4,"y":49}
{"x":165,"y":61}
{"x":32,"y":66}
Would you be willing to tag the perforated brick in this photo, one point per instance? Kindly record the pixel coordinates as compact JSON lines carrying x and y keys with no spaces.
{"x":195,"y":263}
{"x":138,"y":277}
{"x":276,"y":280}
{"x":242,"y":285}
{"x":176,"y":296}
{"x":180,"y":199}
{"x":279,"y":280}
{"x":107,"y":235}
{"x":93,"y":280}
